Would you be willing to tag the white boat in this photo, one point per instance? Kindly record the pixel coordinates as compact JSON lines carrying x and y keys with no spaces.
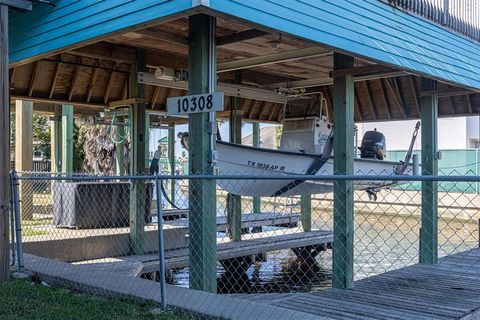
{"x":245,"y":160}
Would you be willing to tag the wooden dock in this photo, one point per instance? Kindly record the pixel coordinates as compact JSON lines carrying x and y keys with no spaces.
{"x":448,"y":290}
{"x":249,"y":220}
{"x":251,"y":244}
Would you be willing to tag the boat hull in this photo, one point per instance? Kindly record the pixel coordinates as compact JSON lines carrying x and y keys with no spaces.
{"x":245,"y":160}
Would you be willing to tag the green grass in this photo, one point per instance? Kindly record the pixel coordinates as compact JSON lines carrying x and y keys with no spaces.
{"x":20,"y":299}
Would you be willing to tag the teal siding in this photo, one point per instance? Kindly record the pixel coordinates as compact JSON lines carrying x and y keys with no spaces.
{"x":461,"y":162}
{"x":371,"y":29}
{"x":48,"y":28}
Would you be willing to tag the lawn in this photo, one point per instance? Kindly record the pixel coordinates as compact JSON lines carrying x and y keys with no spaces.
{"x":21,"y":299}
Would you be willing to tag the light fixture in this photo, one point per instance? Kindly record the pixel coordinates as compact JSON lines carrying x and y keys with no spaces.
{"x":164,"y":73}
{"x":275,"y":44}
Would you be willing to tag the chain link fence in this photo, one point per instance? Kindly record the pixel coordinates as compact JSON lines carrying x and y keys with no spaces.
{"x":101,"y":233}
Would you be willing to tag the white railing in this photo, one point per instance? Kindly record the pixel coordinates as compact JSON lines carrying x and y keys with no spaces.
{"x":462,"y":16}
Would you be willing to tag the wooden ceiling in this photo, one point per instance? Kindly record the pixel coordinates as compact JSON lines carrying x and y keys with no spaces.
{"x":97,"y":76}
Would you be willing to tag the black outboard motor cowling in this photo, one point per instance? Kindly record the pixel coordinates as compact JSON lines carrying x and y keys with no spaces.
{"x":373,"y":145}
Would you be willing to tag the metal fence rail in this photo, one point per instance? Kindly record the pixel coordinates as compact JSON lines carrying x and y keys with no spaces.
{"x":276,"y":251}
{"x":462,"y":16}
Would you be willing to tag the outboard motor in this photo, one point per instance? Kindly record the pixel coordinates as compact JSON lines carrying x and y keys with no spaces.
{"x":373,"y":145}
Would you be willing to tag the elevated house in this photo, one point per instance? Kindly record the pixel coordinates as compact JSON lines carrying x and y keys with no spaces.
{"x":370,"y":60}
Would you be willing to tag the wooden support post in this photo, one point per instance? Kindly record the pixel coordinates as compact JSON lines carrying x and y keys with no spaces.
{"x":429,"y":231}
{"x":306,"y":212}
{"x":202,"y":193}
{"x":120,"y":147}
{"x":343,"y":222}
{"x":147,"y":141}
{"x":56,"y":141}
{"x":234,"y":202}
{"x":137,"y":156}
{"x":256,"y":143}
{"x":4,"y":148}
{"x":67,"y":138}
{"x":24,"y":153}
{"x":171,"y":159}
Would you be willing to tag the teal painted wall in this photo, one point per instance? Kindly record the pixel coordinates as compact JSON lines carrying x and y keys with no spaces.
{"x":48,"y":28}
{"x":369,"y":28}
{"x":460,"y":162}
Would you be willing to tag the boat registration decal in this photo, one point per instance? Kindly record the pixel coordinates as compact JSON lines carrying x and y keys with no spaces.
{"x":265,"y":166}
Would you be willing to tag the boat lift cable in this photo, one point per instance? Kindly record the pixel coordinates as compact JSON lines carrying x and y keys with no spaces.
{"x":401,"y":169}
{"x":165,"y":194}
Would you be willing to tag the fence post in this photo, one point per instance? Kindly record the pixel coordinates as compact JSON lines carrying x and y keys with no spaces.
{"x":18,"y":226}
{"x":171,"y":159}
{"x":161,"y":246}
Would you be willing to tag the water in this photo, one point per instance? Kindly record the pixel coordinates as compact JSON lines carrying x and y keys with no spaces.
{"x":382,"y":243}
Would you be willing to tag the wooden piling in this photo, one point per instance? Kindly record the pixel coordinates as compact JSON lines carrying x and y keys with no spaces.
{"x":343,"y":222}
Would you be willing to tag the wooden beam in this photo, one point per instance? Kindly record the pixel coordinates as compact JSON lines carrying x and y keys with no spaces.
{"x":429,"y":210}
{"x":401,"y":96}
{"x":125,"y":89}
{"x":11,"y":76}
{"x":446,"y":92}
{"x":94,"y":106}
{"x":343,"y":197}
{"x":452,"y":105}
{"x":33,"y":78}
{"x":155,"y":96}
{"x":395,"y":96}
{"x":371,"y":101}
{"x":74,"y":79}
{"x":4,"y":149}
{"x":55,"y":77}
{"x":370,"y":70}
{"x":91,"y":86}
{"x":386,"y":100}
{"x":240,"y":36}
{"x":358,"y":106}
{"x":416,"y":97}
{"x":102,"y":51}
{"x":164,"y":36}
{"x":108,"y":89}
{"x":329,"y":104}
{"x":128,"y":102}
{"x":469,"y":103}
{"x":273,"y":58}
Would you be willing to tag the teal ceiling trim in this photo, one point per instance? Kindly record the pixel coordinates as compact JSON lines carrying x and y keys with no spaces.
{"x":371,"y":29}
{"x":46,"y":28}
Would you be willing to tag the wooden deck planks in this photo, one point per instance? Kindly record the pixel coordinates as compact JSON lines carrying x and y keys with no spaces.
{"x":449,"y":290}
{"x":249,"y":220}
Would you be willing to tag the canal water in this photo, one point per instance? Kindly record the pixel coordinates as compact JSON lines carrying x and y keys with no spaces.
{"x":382,"y":243}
